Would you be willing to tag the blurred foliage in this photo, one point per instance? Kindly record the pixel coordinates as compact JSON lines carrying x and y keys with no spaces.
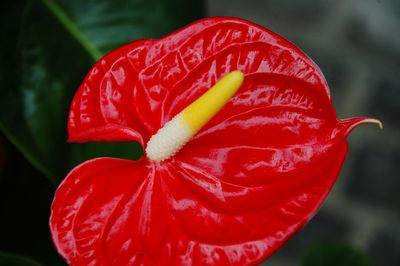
{"x":335,"y":254}
{"x":48,"y":48}
{"x":25,"y":199}
{"x":15,"y":260}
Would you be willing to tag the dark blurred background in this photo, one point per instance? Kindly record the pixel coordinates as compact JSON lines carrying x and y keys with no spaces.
{"x":43,"y":59}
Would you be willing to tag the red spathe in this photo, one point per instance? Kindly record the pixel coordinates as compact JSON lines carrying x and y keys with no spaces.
{"x":250,"y":179}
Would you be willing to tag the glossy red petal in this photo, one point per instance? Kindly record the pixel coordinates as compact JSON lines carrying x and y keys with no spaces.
{"x":128,"y":94}
{"x":226,"y":217}
{"x":103,"y":108}
{"x":179,"y":77}
{"x":251,"y":178}
{"x":119,"y":212}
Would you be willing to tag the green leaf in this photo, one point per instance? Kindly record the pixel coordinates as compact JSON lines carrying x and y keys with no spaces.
{"x":16,"y":260}
{"x":108,"y":24}
{"x":48,"y":48}
{"x":335,"y":254}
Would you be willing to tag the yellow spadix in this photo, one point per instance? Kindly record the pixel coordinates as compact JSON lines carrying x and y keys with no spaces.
{"x":179,"y":130}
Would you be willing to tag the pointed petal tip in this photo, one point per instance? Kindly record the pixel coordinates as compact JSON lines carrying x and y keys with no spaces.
{"x":373,"y":121}
{"x":350,"y":123}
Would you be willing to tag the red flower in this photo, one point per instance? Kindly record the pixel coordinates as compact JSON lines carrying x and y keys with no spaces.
{"x":251,"y":178}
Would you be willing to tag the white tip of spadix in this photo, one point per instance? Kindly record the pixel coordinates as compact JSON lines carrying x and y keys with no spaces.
{"x":168,"y":140}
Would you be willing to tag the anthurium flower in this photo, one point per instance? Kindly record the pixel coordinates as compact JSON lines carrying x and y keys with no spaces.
{"x":233,"y":191}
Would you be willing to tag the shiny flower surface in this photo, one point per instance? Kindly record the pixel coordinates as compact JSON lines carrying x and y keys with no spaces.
{"x":250,"y":179}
